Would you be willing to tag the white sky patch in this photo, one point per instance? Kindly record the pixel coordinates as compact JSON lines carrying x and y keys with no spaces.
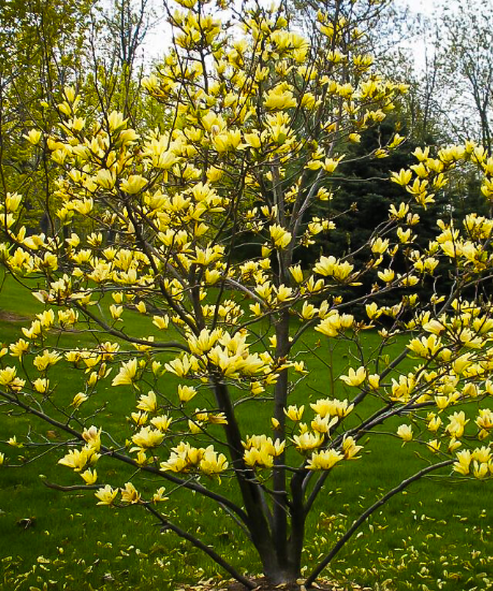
{"x":158,"y":38}
{"x":420,"y":45}
{"x":427,"y":7}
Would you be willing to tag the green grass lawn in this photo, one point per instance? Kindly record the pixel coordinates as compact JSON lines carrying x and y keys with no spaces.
{"x":436,"y":536}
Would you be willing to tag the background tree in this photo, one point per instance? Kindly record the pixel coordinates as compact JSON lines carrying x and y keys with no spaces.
{"x":468,"y":68}
{"x":117,"y":43}
{"x":453,"y":70}
{"x":46,"y":47}
{"x":41,"y":44}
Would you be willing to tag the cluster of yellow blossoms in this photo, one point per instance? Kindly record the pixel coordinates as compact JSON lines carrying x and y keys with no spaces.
{"x":196,"y":230}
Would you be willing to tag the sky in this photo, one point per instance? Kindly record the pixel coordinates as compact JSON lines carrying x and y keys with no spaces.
{"x":154,"y":43}
{"x":427,"y":8}
{"x":423,"y":6}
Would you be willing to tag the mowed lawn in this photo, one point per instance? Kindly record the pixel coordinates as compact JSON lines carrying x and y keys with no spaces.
{"x":436,"y":536}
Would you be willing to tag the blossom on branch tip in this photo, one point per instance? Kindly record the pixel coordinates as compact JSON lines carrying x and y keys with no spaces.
{"x":129,"y":494}
{"x":354,"y":378}
{"x":324,"y":460}
{"x":106,"y":495}
{"x":405,"y":432}
{"x":127,"y":373}
{"x":308,"y":441}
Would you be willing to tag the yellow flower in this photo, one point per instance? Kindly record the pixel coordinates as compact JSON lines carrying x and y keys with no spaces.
{"x":116,"y":311}
{"x":379,"y":246}
{"x":79,"y":399}
{"x":453,"y":445}
{"x":425,"y":347}
{"x":179,"y":367}
{"x":129,"y":494}
{"x":147,"y":438}
{"x":106,"y":495}
{"x":139,"y":418}
{"x":156,"y":367}
{"x":284,"y":293}
{"x":333,"y":323}
{"x":92,"y":437}
{"x":332,"y":267}
{"x":403,"y":177}
{"x":401,"y":390}
{"x":158,"y":496}
{"x":296,"y":273}
{"x":457,"y":423}
{"x":330,"y":164}
{"x":404,"y":235}
{"x":134,"y":184}
{"x":42,"y":362}
{"x":256,"y":309}
{"x":434,"y":445}
{"x":485,"y":419}
{"x":204,"y":342}
{"x":127,"y":373}
{"x":258,"y":457}
{"x":350,"y":449}
{"x":212,"y":462}
{"x":324,"y":460}
{"x":19,"y":348}
{"x":463,"y":462}
{"x":41,"y":385}
{"x":9,"y":378}
{"x":33,"y":136}
{"x":294,"y":413}
{"x":354,"y":378}
{"x":405,"y":432}
{"x":299,"y":367}
{"x":116,"y":121}
{"x":480,"y":470}
{"x":434,"y":422}
{"x":13,"y":442}
{"x":47,"y":318}
{"x":183,"y":458}
{"x":256,"y":388}
{"x":387,"y":275}
{"x":161,"y":422}
{"x":279,"y":98}
{"x":308,"y":441}
{"x":481,"y":454}
{"x":148,"y":402}
{"x":161,"y":322}
{"x":141,"y":307}
{"x":332,"y":407}
{"x":280,"y":236}
{"x":252,"y":139}
{"x":12,"y":202}
{"x":79,"y":459}
{"x":106,"y":179}
{"x":323,"y":425}
{"x":308,"y":311}
{"x":186,"y":393}
{"x":89,"y":476}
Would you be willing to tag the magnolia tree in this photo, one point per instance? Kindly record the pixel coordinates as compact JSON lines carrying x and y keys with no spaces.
{"x":201,"y":228}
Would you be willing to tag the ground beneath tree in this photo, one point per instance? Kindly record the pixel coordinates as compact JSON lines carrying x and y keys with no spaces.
{"x":263,"y":585}
{"x":6,"y":316}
